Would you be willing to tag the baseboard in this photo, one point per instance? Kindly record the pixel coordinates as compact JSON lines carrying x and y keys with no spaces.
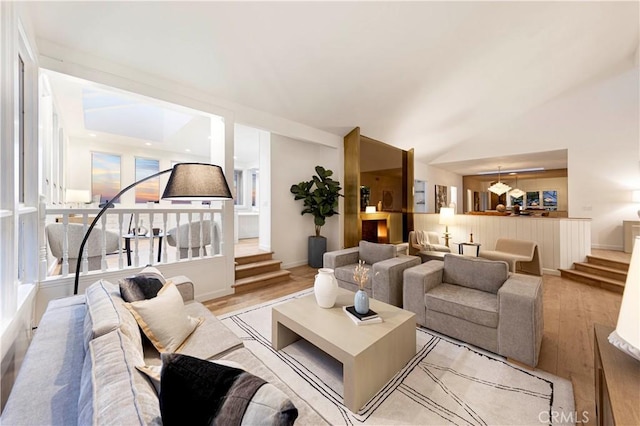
{"x":607,"y":247}
{"x":294,"y":264}
{"x":546,"y":271}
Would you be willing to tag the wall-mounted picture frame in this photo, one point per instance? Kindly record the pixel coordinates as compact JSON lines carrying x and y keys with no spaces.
{"x":387,"y":200}
{"x":441,"y":197}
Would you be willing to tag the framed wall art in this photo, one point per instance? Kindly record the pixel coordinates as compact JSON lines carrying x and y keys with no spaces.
{"x":441,"y":197}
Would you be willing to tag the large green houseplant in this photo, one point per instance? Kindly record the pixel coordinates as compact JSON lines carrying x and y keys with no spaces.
{"x":320,"y":197}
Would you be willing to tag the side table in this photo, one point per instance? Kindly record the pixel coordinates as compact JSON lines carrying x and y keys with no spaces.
{"x":617,"y":382}
{"x":461,"y":247}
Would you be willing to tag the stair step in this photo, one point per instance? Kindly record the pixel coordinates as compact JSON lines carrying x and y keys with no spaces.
{"x":601,"y":271}
{"x":603,"y":261}
{"x":593,"y":280}
{"x":252,"y":258}
{"x":257,"y":268}
{"x":263,"y":280}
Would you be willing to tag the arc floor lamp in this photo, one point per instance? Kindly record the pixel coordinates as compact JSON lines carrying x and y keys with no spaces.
{"x":188,"y":181}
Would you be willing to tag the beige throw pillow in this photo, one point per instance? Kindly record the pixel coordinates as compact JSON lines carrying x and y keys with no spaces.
{"x":163,"y":319}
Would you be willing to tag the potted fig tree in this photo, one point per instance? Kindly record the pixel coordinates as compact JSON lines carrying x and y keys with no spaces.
{"x":320,"y":197}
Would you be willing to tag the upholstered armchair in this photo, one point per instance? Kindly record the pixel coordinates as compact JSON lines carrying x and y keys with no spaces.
{"x":425,"y":241}
{"x":480,"y":302}
{"x":179,"y":237}
{"x":75,"y":234}
{"x":384,"y":281}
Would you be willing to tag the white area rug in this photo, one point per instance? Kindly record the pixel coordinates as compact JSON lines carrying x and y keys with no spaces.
{"x":447,"y":382}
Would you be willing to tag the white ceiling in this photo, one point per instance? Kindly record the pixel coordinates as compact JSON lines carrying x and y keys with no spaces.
{"x":90,"y":110}
{"x":427,"y":75}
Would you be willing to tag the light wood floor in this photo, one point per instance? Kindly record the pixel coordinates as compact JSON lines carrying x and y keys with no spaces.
{"x":570,"y":311}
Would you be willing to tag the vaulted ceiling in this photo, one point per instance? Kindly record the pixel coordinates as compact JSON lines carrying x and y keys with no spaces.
{"x":427,"y":75}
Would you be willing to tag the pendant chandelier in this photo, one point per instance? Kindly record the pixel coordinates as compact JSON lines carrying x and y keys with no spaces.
{"x":517,"y":192}
{"x":499,"y":188}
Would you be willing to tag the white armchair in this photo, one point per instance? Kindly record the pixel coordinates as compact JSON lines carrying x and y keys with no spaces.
{"x":75,"y":234}
{"x":179,"y":237}
{"x":425,"y":241}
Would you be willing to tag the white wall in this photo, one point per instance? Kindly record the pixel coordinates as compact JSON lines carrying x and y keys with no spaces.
{"x":294,"y":161}
{"x":599,"y":126}
{"x":435,"y":176}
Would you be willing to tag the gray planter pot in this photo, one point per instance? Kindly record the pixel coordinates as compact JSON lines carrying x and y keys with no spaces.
{"x":317,"y":248}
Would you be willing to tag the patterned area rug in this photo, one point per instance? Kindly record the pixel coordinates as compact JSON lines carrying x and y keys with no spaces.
{"x":447,"y":382}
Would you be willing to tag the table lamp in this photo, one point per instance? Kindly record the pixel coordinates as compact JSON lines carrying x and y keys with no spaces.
{"x":626,"y":336}
{"x":77,"y":196}
{"x":188,"y":181}
{"x":447,"y":217}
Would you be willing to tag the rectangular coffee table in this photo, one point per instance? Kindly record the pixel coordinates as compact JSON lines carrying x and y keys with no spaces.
{"x":370,"y":354}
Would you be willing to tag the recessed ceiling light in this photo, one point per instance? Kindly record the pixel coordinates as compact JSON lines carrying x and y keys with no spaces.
{"x":187,"y":150}
{"x":93,"y":135}
{"x":209,"y":138}
{"x":148,"y":143}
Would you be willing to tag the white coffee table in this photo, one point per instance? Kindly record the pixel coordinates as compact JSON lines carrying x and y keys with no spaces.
{"x":370,"y":354}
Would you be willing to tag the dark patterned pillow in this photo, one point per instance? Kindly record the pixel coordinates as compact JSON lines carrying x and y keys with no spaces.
{"x":139,"y":287}
{"x":198,"y":392}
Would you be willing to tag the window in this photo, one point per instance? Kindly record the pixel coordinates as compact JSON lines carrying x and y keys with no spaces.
{"x":105,"y":176}
{"x":21,"y":121}
{"x":255,"y":176}
{"x":533,"y":199}
{"x":149,"y":190}
{"x":237,"y":187}
{"x":550,"y":200}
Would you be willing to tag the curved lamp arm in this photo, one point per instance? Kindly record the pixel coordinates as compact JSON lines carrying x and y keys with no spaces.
{"x":95,"y":220}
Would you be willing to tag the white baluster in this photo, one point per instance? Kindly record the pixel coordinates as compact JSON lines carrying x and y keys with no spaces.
{"x":65,"y":244}
{"x":85,"y":253}
{"x":178,"y":237}
{"x":201,"y":240}
{"x":136,"y":257}
{"x":164,"y":239}
{"x":103,"y":245}
{"x":151,"y":239}
{"x":190,"y":233}
{"x":42,"y":255}
{"x":121,"y":236}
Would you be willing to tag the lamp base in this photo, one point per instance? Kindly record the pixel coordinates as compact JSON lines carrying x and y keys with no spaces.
{"x":623,"y":345}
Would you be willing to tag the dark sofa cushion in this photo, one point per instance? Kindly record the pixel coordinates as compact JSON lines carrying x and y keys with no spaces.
{"x":144,"y":285}
{"x":198,"y":392}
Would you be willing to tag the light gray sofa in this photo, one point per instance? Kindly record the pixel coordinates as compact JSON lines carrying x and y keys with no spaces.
{"x":479,"y":302}
{"x":80,"y":366}
{"x":384,"y":281}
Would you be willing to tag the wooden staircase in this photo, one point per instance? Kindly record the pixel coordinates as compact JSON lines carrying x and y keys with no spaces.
{"x":600,"y":272}
{"x":258,"y":270}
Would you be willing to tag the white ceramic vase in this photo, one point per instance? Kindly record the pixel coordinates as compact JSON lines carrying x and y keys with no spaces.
{"x":325,"y":288}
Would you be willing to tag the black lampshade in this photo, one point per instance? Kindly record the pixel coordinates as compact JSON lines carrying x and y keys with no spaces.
{"x":197,"y":181}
